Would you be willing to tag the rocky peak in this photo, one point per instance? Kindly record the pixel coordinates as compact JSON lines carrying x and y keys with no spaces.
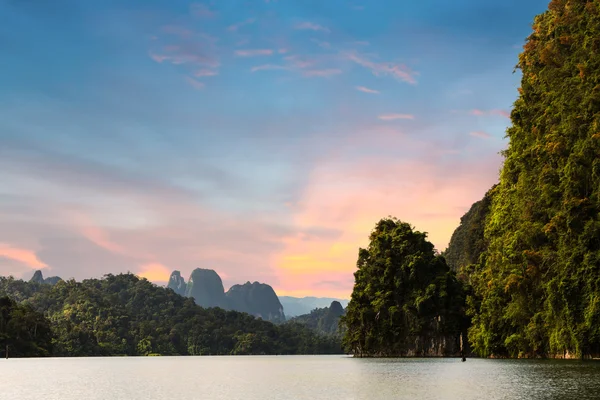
{"x":177,"y":283}
{"x":37,"y":277}
{"x":258,"y":299}
{"x":206,"y":288}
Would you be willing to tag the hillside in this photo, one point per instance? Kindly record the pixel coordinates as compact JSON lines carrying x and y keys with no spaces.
{"x":323,"y":320}
{"x":125,"y":315}
{"x":295,"y":306}
{"x":537,"y":283}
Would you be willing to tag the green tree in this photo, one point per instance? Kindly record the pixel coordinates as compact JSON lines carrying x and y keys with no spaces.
{"x":23,"y":332}
{"x":405,"y":299}
{"x":537,"y":289}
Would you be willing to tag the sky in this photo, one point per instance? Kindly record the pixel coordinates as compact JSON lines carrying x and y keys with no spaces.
{"x":263,"y":139}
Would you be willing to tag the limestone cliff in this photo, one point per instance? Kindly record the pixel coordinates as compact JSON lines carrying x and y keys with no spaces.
{"x":177,"y":283}
{"x":206,"y":288}
{"x":258,"y":299}
{"x":38,"y":277}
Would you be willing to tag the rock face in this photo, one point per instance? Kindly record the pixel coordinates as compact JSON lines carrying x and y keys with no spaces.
{"x":177,"y":283}
{"x":38,"y":277}
{"x":258,"y":299}
{"x":323,"y":320}
{"x":295,"y":306}
{"x":206,"y":288}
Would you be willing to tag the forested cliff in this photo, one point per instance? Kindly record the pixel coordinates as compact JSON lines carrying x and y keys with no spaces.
{"x":528,"y":253}
{"x":537,"y":289}
{"x":125,"y":315}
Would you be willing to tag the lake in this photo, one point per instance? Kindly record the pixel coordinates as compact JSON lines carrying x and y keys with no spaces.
{"x":295,"y":377}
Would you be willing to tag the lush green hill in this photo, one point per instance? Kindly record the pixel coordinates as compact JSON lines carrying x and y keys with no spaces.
{"x":405,"y":300}
{"x":323,"y":320}
{"x":126,"y":315}
{"x":538,"y":287}
{"x":24,"y":332}
{"x":468,"y":242}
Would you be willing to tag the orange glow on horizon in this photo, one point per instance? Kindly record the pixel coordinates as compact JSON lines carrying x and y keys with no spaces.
{"x":24,"y":256}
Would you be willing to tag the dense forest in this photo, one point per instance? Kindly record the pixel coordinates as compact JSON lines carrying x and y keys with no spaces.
{"x":528,"y":254}
{"x":406,"y":301}
{"x":537,"y":287}
{"x":325,"y":320}
{"x":125,"y":315}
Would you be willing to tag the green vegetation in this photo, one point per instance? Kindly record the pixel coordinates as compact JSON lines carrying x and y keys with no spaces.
{"x":468,"y":242}
{"x":325,"y":321}
{"x":125,"y":315}
{"x":405,"y":301}
{"x":529,"y":252}
{"x":23,"y":331}
{"x":537,"y":289}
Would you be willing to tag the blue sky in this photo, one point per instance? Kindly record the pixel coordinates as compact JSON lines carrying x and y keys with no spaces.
{"x":262,"y":139}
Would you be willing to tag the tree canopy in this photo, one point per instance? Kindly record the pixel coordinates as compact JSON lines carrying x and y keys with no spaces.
{"x":405,"y":299}
{"x":537,"y":289}
{"x":125,"y":315}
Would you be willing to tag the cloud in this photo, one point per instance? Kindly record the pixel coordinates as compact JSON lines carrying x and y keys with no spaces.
{"x":392,"y":117}
{"x":178,"y":31}
{"x":311,"y":26}
{"x":348,"y":192}
{"x":24,"y":256}
{"x":195,"y":83}
{"x":205,"y":72}
{"x":185,"y":55}
{"x":235,"y":27}
{"x":155,"y":272}
{"x":322,"y":72}
{"x":253,"y":52}
{"x":397,"y":71}
{"x":201,"y":11}
{"x":268,"y":67}
{"x":321,"y":43}
{"x":498,"y":112}
{"x":366,"y":90}
{"x":481,"y":134}
{"x":299,"y":62}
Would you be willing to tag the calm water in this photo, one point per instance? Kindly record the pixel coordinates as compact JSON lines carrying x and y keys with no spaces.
{"x":295,"y":377}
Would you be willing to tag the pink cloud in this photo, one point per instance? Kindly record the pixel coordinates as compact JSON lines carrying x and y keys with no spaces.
{"x":177,"y":30}
{"x":205,"y":72}
{"x":311,"y":26}
{"x":268,"y":67}
{"x":397,"y":71}
{"x":321,"y":43}
{"x":300,"y":62}
{"x":367,"y":90}
{"x":155,"y":272}
{"x":501,"y":113}
{"x":24,"y":256}
{"x":201,"y":11}
{"x":392,"y":117}
{"x":178,"y":55}
{"x":481,"y":134}
{"x":253,"y":52}
{"x":235,"y":27}
{"x":349,"y":194}
{"x":322,"y":72}
{"x":194,"y":83}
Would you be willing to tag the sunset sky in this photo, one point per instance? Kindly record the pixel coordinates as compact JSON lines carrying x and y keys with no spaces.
{"x":261,"y":139}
